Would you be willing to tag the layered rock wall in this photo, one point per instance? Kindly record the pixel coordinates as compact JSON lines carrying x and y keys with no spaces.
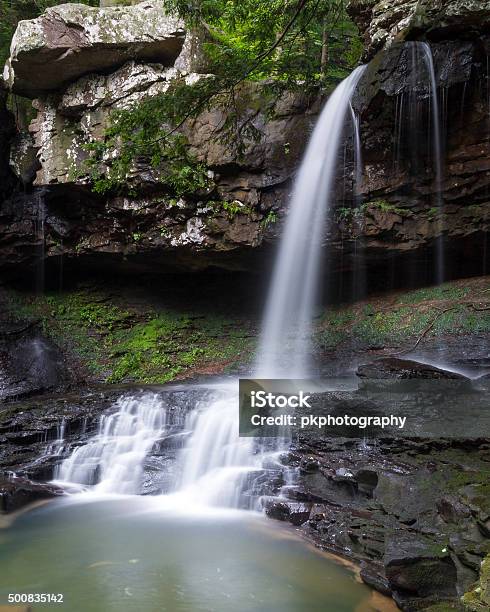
{"x":89,"y":62}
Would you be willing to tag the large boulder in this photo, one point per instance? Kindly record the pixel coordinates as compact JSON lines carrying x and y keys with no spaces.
{"x":71,"y":40}
{"x":392,"y":368}
{"x":18,"y":492}
{"x":416,"y":566}
{"x":247,"y":187}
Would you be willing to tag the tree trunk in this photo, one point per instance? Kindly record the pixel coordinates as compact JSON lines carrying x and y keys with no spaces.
{"x":325,"y":56}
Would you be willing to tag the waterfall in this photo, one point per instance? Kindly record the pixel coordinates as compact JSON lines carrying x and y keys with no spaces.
{"x":216,"y":461}
{"x":40,"y":233}
{"x":112,"y":461}
{"x":285,"y":349}
{"x":359,"y":272}
{"x":217,"y":465}
{"x":438,"y":159}
{"x":409,"y":117}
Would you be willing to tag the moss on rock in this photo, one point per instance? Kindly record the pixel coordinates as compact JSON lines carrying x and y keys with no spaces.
{"x":478,"y":599}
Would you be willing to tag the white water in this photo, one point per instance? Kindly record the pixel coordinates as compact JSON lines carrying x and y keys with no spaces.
{"x":437,"y":153}
{"x":216,"y":461}
{"x":285,"y":349}
{"x":112,"y":461}
{"x":359,"y":275}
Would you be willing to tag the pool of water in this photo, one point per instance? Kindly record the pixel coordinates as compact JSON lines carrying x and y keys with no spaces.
{"x":144,"y":554}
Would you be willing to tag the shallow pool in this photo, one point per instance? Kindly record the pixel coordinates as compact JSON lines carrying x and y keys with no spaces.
{"x":137,"y":553}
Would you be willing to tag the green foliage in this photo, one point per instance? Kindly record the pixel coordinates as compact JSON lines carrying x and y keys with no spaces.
{"x":117,"y":345}
{"x":269,"y":219}
{"x":136,"y":135}
{"x":350,"y":215}
{"x":235,"y":208}
{"x":279,"y":39}
{"x":283,"y":43}
{"x":384,"y":206}
{"x":435,"y":310}
{"x":13,"y":11}
{"x":446,"y":291}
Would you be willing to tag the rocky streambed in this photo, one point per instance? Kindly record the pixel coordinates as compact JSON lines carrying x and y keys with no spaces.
{"x":412,"y":510}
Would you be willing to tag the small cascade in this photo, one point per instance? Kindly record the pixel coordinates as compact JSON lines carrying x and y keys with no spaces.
{"x":285,"y":349}
{"x":359,"y":271}
{"x":410,"y":142}
{"x":57,"y":446}
{"x":216,"y":461}
{"x":112,"y":461}
{"x":40,"y":232}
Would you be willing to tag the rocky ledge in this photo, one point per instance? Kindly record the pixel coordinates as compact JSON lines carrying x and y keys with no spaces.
{"x":414,"y":512}
{"x":403,"y":204}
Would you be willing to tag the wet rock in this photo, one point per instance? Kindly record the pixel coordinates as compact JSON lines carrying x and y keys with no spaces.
{"x":390,"y":372}
{"x":367,"y":480}
{"x":419,"y":567}
{"x":29,"y":363}
{"x":384,"y":23}
{"x":452,"y":510}
{"x":295,"y":513}
{"x":71,"y":40}
{"x":309,"y":465}
{"x":482,"y":382}
{"x":394,"y":368}
{"x":7,"y":131}
{"x":478,"y":598}
{"x":18,"y":492}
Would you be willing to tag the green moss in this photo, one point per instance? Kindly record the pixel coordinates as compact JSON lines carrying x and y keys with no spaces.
{"x":350,"y":215}
{"x":478,"y":599}
{"x":446,"y":291}
{"x":437,"y":311}
{"x":384,"y":206}
{"x":117,"y":344}
{"x":270,"y":219}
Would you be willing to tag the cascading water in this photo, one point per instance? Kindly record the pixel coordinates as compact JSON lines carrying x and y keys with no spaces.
{"x":409,"y":122}
{"x":359,"y":275}
{"x":285,"y":349}
{"x":112,"y":461}
{"x":438,"y":158}
{"x":216,"y":462}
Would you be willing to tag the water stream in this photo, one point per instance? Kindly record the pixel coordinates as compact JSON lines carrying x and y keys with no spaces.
{"x":212,"y":559}
{"x":285,"y":348}
{"x":215,"y":462}
{"x":438,"y":157}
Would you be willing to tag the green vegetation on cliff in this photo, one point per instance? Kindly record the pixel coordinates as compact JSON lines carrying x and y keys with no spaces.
{"x":116,"y":342}
{"x":116,"y":338}
{"x":478,"y":599}
{"x":286,"y":45}
{"x":453,"y":309}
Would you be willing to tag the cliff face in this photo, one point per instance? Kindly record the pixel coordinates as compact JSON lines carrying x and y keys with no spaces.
{"x":423,"y":109}
{"x":410,"y":197}
{"x":87,"y":62}
{"x":91,"y":62}
{"x":383,"y":23}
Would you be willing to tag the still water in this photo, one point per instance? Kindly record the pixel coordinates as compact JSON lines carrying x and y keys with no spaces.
{"x":144,"y":554}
